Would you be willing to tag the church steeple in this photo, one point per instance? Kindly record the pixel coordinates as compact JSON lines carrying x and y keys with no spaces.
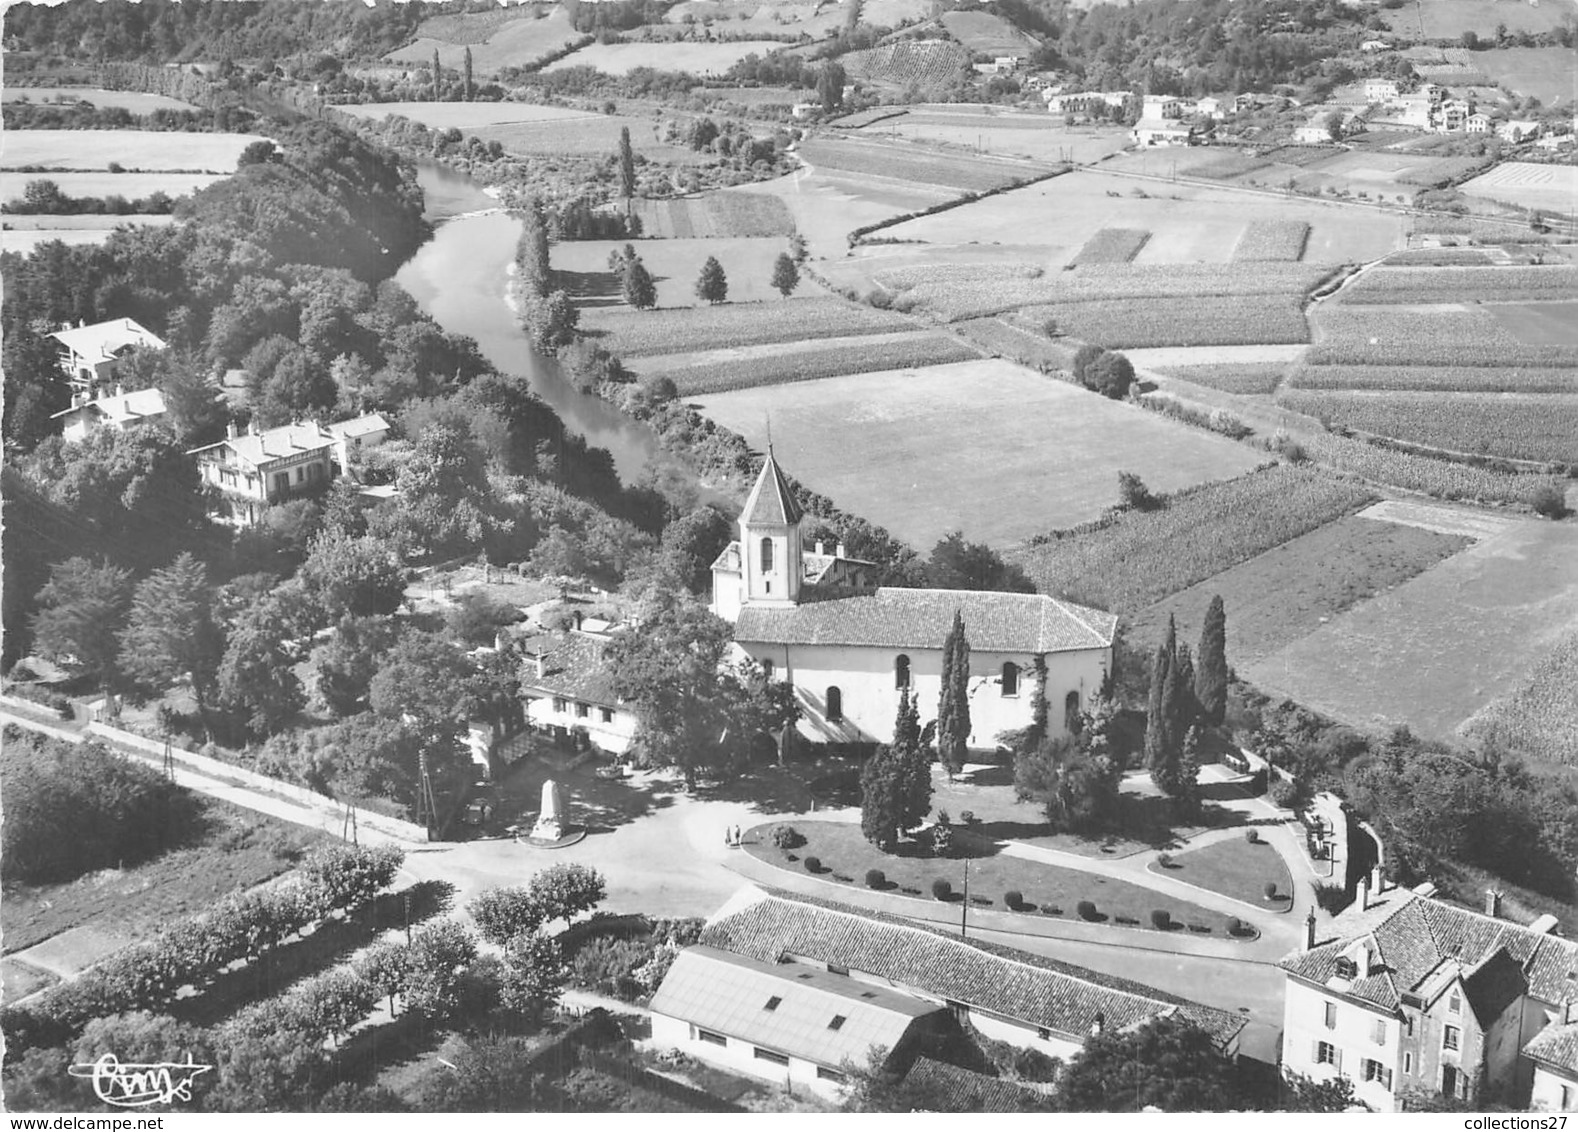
{"x":770,"y":549}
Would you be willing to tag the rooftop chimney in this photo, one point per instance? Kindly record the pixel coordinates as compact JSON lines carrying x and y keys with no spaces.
{"x":819,"y":549}
{"x":1364,"y":894}
{"x":1492,"y":902}
{"x":231,"y":431}
{"x":1098,"y":1024}
{"x":120,"y":390}
{"x":578,"y":617}
{"x":1377,"y":881}
{"x":841,"y":549}
{"x":542,"y":668}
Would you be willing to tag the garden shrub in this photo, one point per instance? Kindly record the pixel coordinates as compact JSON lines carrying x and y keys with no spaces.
{"x":1252,"y":836}
{"x":1013,"y":898}
{"x":1331,"y":897}
{"x":1087,"y":910}
{"x":967,"y":817}
{"x":1165,"y":860}
{"x":876,"y":878}
{"x":787,"y":837}
{"x":941,"y":889}
{"x":1235,"y":926}
{"x":1549,"y":502}
{"x":1271,"y":890}
{"x":1161,"y":919}
{"x":1285,"y":795}
{"x":813,"y":864}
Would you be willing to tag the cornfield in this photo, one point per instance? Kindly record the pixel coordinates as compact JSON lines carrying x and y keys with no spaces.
{"x":1417,"y":285}
{"x":1351,"y":335}
{"x":971,"y":173}
{"x":1509,"y":425}
{"x":1245,"y":378}
{"x":1212,"y":321}
{"x":1444,"y":379}
{"x":682,"y":329}
{"x":1425,"y":474}
{"x":1112,"y":245}
{"x":813,"y":364}
{"x":1537,"y":719}
{"x":1278,"y":241}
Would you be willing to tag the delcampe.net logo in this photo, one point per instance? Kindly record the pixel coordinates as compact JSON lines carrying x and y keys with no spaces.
{"x":134,"y":1085}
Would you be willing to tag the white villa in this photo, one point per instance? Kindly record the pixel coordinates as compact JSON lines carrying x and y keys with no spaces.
{"x":848,"y":646}
{"x":89,"y":354}
{"x":119,"y":412}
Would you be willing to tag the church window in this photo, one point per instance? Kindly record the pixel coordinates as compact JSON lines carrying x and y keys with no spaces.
{"x":901,"y":671}
{"x":835,"y":705}
{"x":1010,"y":678}
{"x":767,"y":555}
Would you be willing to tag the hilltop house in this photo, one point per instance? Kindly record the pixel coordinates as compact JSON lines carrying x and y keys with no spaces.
{"x":253,"y":471}
{"x":848,"y":647}
{"x":906,"y":972}
{"x":89,"y":354}
{"x":117,"y":412}
{"x":568,"y":688}
{"x":1407,"y":993}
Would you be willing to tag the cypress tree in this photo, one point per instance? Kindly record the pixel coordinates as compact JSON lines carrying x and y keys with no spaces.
{"x":953,"y":708}
{"x":1182,"y":711}
{"x":1156,"y":746}
{"x":637,"y":286}
{"x":786,"y":277}
{"x":881,"y":799}
{"x":438,"y":83}
{"x":627,"y":164}
{"x":471,"y":89}
{"x":1210,"y":677}
{"x":914,"y":766}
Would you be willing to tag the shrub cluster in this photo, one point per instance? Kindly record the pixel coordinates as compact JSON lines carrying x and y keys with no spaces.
{"x":941,"y":889}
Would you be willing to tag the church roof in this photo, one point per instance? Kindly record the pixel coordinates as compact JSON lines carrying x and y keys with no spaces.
{"x":772,"y":501}
{"x":921,"y":619}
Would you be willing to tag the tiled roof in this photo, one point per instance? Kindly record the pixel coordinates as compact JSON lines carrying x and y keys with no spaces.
{"x":359,"y":426}
{"x":273,"y":444}
{"x":1031,"y":989}
{"x":124,"y":407}
{"x":573,"y":667}
{"x":1413,"y":935}
{"x":1495,"y":985}
{"x":920,"y":619}
{"x":1556,"y":1046}
{"x":772,"y":501}
{"x":104,"y":340}
{"x":821,"y":1017}
{"x":965,"y":1091}
{"x":728,"y":558}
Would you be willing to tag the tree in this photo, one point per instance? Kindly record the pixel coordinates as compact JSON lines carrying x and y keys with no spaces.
{"x":348,"y":876}
{"x":563,"y":892}
{"x":636,"y":285}
{"x":958,"y":565}
{"x":712,"y":285}
{"x":438,"y":79}
{"x":81,"y":608}
{"x":171,"y":633}
{"x":1158,"y":743}
{"x":471,"y":87}
{"x":627,"y":165}
{"x":438,"y":956}
{"x":830,"y":86}
{"x":501,"y":914}
{"x":953,"y":708}
{"x":387,"y":966}
{"x":353,"y":577}
{"x":347,"y":664}
{"x":427,"y":678}
{"x":1111,"y":374}
{"x":534,"y":973}
{"x":882,"y":798}
{"x":786,"y":276}
{"x":255,"y":675}
{"x":1134,"y":495}
{"x":914,"y":764}
{"x":1333,"y":124}
{"x":1211,"y":673}
{"x":798,"y":249}
{"x":1166,"y":1063}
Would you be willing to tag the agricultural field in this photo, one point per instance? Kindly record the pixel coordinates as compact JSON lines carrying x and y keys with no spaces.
{"x":1112,"y":245}
{"x":129,"y":185}
{"x":1523,"y":184}
{"x":1189,"y":223}
{"x":1425,"y":474}
{"x":1537,"y":719}
{"x":1031,"y":135}
{"x":783,"y":363}
{"x":1439,"y":648}
{"x":756,"y":95}
{"x":465,"y":115}
{"x":1213,"y":320}
{"x":893,"y":13}
{"x":816,"y":18}
{"x":913,"y":163}
{"x":927,"y":66}
{"x":1398,"y":335}
{"x":589,"y":135}
{"x":1545,"y":73}
{"x":985,"y":34}
{"x":1144,"y":557}
{"x":133,"y":101}
{"x":1277,"y":597}
{"x":497,"y":39}
{"x":1439,"y":379}
{"x":1242,"y":378}
{"x":1449,"y":19}
{"x":132,"y":149}
{"x":730,"y":213}
{"x":731,"y":325}
{"x":692,"y":58}
{"x":1549,"y":324}
{"x":881,"y":443}
{"x":1515,"y":426}
{"x":1418,"y":286}
{"x":20,"y":234}
{"x":1278,"y":241}
{"x":1027,"y":347}
{"x":675,"y":264}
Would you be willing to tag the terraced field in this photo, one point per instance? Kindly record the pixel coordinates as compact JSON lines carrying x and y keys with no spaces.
{"x":497,"y":39}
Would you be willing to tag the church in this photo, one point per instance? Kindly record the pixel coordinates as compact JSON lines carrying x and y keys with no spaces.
{"x":818,"y":620}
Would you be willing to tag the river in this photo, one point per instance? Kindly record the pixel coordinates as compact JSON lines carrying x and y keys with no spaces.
{"x":459,"y":278}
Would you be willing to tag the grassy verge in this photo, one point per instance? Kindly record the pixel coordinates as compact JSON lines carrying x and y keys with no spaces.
{"x":1235,"y":868}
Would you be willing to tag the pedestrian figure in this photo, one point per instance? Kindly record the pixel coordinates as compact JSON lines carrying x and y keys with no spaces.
{"x":737,"y":837}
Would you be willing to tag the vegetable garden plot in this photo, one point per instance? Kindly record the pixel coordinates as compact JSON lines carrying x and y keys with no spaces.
{"x":1278,"y":241}
{"x":1112,"y":245}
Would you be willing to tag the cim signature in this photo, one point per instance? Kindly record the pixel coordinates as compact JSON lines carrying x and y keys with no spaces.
{"x":134,"y":1086}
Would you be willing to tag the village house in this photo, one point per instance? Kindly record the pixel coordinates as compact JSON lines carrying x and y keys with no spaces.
{"x":1162,"y":106}
{"x":1209,"y":108}
{"x":569,"y":690}
{"x":255,"y":470}
{"x":117,"y":412}
{"x":815,"y":620}
{"x":1161,"y":131}
{"x":905,"y":970}
{"x":1371,"y":46}
{"x":1406,"y":992}
{"x":1477,"y":124}
{"x":89,"y":354}
{"x":1380,"y":90}
{"x":1083,"y":102}
{"x":1451,"y":116}
{"x":1518,"y":130}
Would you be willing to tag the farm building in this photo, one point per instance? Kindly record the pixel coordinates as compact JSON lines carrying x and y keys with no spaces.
{"x":1518,"y":130}
{"x":568,"y":689}
{"x":815,"y":620}
{"x":118,"y":412}
{"x":909,"y":973}
{"x":1408,"y":992}
{"x":1162,"y":131}
{"x":89,"y":354}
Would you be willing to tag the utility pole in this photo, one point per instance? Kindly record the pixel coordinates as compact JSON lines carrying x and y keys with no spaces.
{"x":964,"y":908}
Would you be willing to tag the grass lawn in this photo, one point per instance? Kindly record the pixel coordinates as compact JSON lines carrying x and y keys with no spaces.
{"x":133,"y":149}
{"x":1545,"y":73}
{"x":1293,"y":589}
{"x":129,"y":185}
{"x":134,"y":101}
{"x":238,"y":849}
{"x":1438,"y":648}
{"x":989,"y":446}
{"x":1055,"y":891}
{"x":1234,"y":868}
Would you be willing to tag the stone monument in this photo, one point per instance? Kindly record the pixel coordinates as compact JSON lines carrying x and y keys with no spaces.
{"x":550,"y":822}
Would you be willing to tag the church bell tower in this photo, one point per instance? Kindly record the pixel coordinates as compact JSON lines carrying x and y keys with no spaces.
{"x":770,"y":540}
